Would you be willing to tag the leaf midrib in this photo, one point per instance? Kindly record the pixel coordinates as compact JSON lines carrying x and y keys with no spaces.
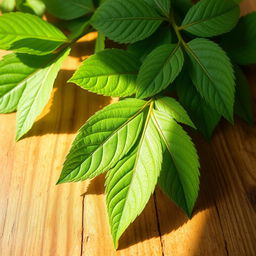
{"x":169,"y":150}
{"x":206,"y":19}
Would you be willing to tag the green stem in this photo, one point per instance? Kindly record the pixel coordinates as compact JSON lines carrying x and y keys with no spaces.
{"x":176,"y":29}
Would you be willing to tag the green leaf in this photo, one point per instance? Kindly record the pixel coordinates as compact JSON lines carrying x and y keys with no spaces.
{"x":142,"y":48}
{"x":240,"y":43}
{"x":163,"y":5}
{"x":173,"y":109}
{"x":159,"y":69}
{"x":179,"y":177}
{"x":26,"y":33}
{"x":69,"y":9}
{"x":212,"y":74}
{"x":181,"y":6}
{"x":15,"y":71}
{"x":31,"y":6}
{"x":104,"y":139}
{"x":111,"y":72}
{"x":243,"y":102}
{"x":36,"y":95}
{"x":203,"y":116}
{"x":210,"y":18}
{"x":7,"y":5}
{"x":126,"y":21}
{"x":100,"y":43}
{"x":131,"y":182}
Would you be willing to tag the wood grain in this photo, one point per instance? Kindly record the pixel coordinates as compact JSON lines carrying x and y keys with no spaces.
{"x":38,"y":218}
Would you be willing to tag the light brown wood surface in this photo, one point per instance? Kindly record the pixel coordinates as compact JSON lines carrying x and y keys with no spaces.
{"x":38,"y":218}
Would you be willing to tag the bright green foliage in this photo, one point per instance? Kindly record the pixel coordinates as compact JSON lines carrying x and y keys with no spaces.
{"x":243,"y":102}
{"x":126,"y":21}
{"x":142,"y":48}
{"x":159,"y":69}
{"x":211,"y":17}
{"x":36,"y":95}
{"x":104,"y":139}
{"x":180,"y":170}
{"x":13,"y":79}
{"x":240,"y":43}
{"x":131,"y":182}
{"x":212,"y":74}
{"x":100,"y":43}
{"x":69,"y":9}
{"x":204,"y":117}
{"x":7,"y":5}
{"x":173,"y":109}
{"x":111,"y":72}
{"x":26,"y":33}
{"x":32,"y":6}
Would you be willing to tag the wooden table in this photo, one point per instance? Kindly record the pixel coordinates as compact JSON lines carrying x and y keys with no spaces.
{"x":38,"y":218}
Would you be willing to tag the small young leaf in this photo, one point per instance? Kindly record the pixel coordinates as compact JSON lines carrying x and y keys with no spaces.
{"x":69,"y":9}
{"x":131,"y":182}
{"x":173,"y":109}
{"x":210,"y":18}
{"x":142,"y":48}
{"x":26,"y":33}
{"x":179,"y":177}
{"x":7,"y":6}
{"x":100,"y":43}
{"x":104,"y":139}
{"x":126,"y":21}
{"x":13,"y":78}
{"x":243,"y":102}
{"x":204,"y":117}
{"x":212,"y":74}
{"x":240,"y":43}
{"x":31,"y":6}
{"x":36,"y":95}
{"x":111,"y":72}
{"x":159,"y":69}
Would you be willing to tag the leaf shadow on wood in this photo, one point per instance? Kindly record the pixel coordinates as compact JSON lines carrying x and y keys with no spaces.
{"x":68,"y":109}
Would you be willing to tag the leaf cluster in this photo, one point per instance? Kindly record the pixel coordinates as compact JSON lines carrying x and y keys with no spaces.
{"x":193,"y":52}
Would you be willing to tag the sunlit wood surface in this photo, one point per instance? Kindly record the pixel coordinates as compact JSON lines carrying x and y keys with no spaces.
{"x":38,"y":218}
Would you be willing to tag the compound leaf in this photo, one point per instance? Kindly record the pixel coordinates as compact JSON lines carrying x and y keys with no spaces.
{"x":27,"y":33}
{"x":179,"y":177}
{"x":36,"y":95}
{"x":159,"y":69}
{"x":104,"y":140}
{"x":111,"y":72}
{"x":131,"y":182}
{"x":126,"y":21}
{"x":210,"y":18}
{"x":212,"y":74}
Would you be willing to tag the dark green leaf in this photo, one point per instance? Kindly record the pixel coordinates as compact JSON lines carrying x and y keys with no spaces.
{"x":159,"y":69}
{"x":210,"y":18}
{"x":243,"y":102}
{"x":69,"y":9}
{"x":126,"y":21}
{"x":212,"y":74}
{"x":204,"y":117}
